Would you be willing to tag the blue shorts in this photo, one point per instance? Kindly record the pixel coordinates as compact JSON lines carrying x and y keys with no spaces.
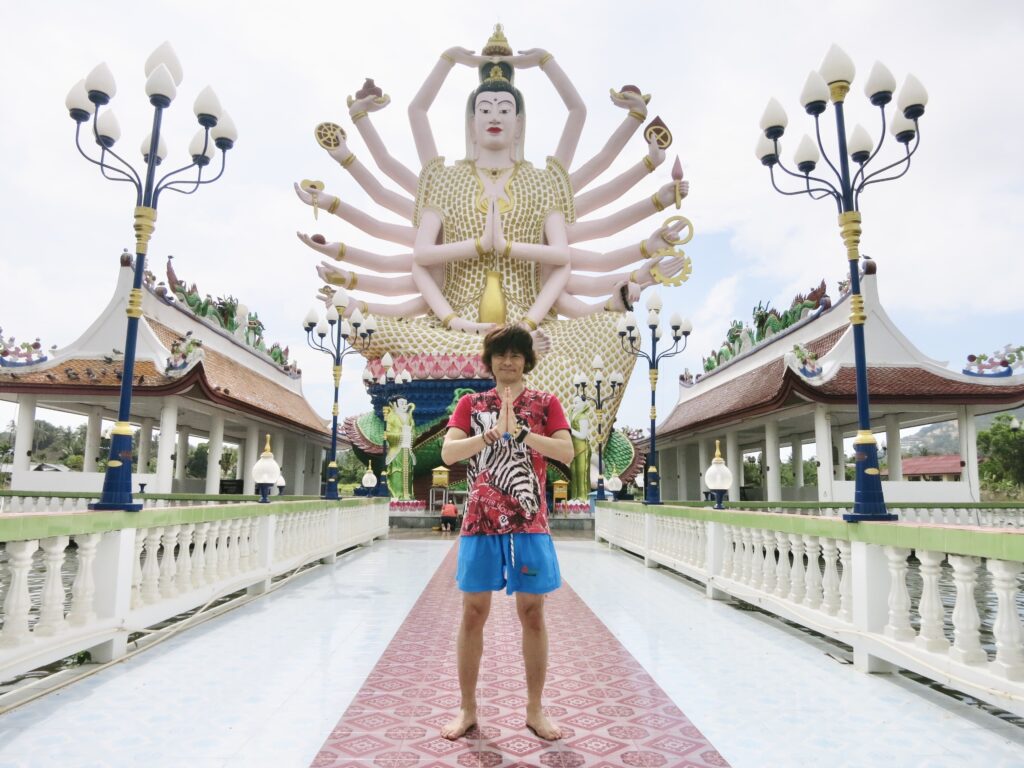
{"x":519,"y":562}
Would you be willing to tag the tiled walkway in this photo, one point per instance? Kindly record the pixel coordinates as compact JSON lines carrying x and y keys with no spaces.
{"x":611,"y":711}
{"x":265,"y":684}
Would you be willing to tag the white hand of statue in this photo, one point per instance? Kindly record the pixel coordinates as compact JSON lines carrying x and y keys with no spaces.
{"x":498,"y":235}
{"x":668,"y":266}
{"x":327,"y":249}
{"x":368,"y":104}
{"x":528,"y":58}
{"x":667,"y":194}
{"x":341,"y":151}
{"x":541,"y":343}
{"x":487,"y":238}
{"x":458,"y":324}
{"x":322,"y":200}
{"x":664,"y":236}
{"x":656,"y":153}
{"x":329,"y":273}
{"x":465,"y":56}
{"x":629,"y":100}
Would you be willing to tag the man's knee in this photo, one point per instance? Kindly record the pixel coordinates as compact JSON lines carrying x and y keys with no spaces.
{"x":475,"y":608}
{"x":531,"y":611}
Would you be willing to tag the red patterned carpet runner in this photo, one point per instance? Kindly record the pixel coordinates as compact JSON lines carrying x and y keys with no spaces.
{"x":611,"y":711}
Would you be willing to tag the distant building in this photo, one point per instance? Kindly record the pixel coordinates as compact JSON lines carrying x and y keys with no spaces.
{"x":931,"y":468}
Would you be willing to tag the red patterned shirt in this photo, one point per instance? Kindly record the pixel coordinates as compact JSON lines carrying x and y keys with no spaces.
{"x":507,"y":480}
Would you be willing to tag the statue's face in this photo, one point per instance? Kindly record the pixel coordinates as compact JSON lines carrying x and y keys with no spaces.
{"x":494,"y":120}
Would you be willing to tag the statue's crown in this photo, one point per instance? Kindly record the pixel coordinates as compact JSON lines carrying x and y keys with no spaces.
{"x":497,"y":45}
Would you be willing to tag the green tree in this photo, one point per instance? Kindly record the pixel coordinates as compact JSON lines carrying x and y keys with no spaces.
{"x":1001,"y":452}
{"x":196,"y":465}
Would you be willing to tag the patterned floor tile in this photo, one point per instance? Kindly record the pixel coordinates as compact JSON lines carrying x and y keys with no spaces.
{"x":611,"y":711}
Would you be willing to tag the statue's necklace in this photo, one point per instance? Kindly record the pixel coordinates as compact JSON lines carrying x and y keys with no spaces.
{"x":494,"y":173}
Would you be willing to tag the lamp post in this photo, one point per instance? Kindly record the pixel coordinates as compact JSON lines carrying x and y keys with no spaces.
{"x":265,"y":473}
{"x":832,"y":82}
{"x":718,"y":476}
{"x":615,"y":381}
{"x":629,"y":337}
{"x":337,"y":336}
{"x":85,"y":102}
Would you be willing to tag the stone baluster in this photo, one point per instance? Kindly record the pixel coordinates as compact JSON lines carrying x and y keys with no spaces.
{"x":51,"y":608}
{"x":234,"y":554}
{"x":244,"y":534}
{"x":727,"y":551}
{"x":199,"y":555}
{"x":830,"y":583}
{"x":224,"y":551}
{"x":782,"y":565}
{"x":898,"y":626}
{"x":151,"y":569}
{"x":702,"y":543}
{"x":966,"y":643}
{"x":183,"y":576}
{"x":254,"y":541}
{"x":797,"y":579}
{"x":746,"y":555}
{"x":83,"y":589}
{"x":137,"y":600}
{"x":1006,"y":628}
{"x":168,"y":567}
{"x":212,"y":552}
{"x":757,"y":558}
{"x":17,"y":604}
{"x":932,"y":635}
{"x":845,"y":581}
{"x":812,"y":577}
{"x":769,"y":574}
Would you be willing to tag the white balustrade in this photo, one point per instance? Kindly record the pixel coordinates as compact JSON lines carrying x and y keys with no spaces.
{"x":83,"y":589}
{"x":1006,"y":629}
{"x":966,"y":642}
{"x":830,"y":598}
{"x":931,"y":635}
{"x":898,"y":627}
{"x":812,"y":576}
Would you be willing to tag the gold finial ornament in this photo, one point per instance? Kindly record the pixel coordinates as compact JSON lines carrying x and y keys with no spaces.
{"x":266,"y":448}
{"x":497,"y":44}
{"x":495,"y":74}
{"x":329,"y":135}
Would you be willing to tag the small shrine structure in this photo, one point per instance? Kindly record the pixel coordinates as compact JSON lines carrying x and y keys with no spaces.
{"x":791,"y":381}
{"x":202,"y":370}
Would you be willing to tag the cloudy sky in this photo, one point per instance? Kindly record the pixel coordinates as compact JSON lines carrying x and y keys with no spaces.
{"x":943,"y":236}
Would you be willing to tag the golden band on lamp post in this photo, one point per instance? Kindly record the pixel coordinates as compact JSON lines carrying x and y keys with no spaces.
{"x":145,"y":223}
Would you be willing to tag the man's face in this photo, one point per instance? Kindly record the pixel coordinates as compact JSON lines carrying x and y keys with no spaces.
{"x":508,"y":366}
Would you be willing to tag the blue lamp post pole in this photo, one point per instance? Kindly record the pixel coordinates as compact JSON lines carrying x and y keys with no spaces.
{"x":600,"y":400}
{"x":343,"y":337}
{"x":85,"y":103}
{"x":629,"y":337}
{"x":832,"y":82}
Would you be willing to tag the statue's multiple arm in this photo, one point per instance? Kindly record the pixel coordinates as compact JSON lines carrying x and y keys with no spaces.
{"x":398,"y":262}
{"x":574,"y":121}
{"x":591,"y":261}
{"x":627,"y":217}
{"x":393,"y":201}
{"x":599,"y":163}
{"x":395,"y":233}
{"x":426,"y":148}
{"x":617,"y":187}
{"x":359,"y":110}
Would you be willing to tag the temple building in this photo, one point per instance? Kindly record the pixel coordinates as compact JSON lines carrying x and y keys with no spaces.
{"x":202,"y":370}
{"x":790,"y":380}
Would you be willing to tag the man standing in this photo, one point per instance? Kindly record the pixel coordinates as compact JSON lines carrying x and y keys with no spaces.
{"x":506,"y":433}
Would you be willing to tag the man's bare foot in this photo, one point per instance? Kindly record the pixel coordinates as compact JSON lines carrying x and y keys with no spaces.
{"x":457,"y":727}
{"x":542,"y":727}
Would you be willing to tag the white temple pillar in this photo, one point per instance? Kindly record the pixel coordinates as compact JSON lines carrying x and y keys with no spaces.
{"x":214,"y":449}
{"x":181,"y":460}
{"x":25,"y":433}
{"x":773,"y":472}
{"x":239,"y":455}
{"x":734,"y":460}
{"x":164,"y":463}
{"x":968,"y":430}
{"x":839,"y":463}
{"x":893,"y":454}
{"x":823,"y":451}
{"x":681,"y":483}
{"x":145,"y":444}
{"x":252,"y":447}
{"x":704,"y":460}
{"x":798,"y":464}
{"x":278,"y":447}
{"x":299,"y":471}
{"x":92,"y":439}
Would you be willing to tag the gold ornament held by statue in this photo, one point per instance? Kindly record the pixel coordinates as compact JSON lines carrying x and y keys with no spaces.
{"x":329,"y":135}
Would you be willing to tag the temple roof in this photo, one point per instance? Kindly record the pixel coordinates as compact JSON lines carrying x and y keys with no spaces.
{"x":770,"y":378}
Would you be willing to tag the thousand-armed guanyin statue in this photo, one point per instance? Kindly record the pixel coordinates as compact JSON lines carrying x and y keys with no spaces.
{"x":492,"y":238}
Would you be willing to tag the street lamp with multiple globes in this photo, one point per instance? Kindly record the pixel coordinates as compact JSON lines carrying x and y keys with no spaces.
{"x":344,"y":336}
{"x":832,"y":82}
{"x":85,"y":101}
{"x":599,"y":399}
{"x":629,"y":337}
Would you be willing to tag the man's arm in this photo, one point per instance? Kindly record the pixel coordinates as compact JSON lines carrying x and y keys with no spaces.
{"x":558,"y":446}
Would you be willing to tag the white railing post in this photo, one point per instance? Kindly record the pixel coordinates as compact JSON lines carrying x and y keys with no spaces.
{"x":648,"y":541}
{"x":898,"y":626}
{"x":932,"y":636}
{"x":870,"y":582}
{"x":51,"y":607}
{"x":83,"y":589}
{"x":714,"y":558}
{"x":1006,"y":629}
{"x":966,"y":641}
{"x":117,"y":557}
{"x":265,"y":542}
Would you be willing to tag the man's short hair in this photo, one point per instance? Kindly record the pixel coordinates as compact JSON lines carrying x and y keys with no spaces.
{"x":509,"y":338}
